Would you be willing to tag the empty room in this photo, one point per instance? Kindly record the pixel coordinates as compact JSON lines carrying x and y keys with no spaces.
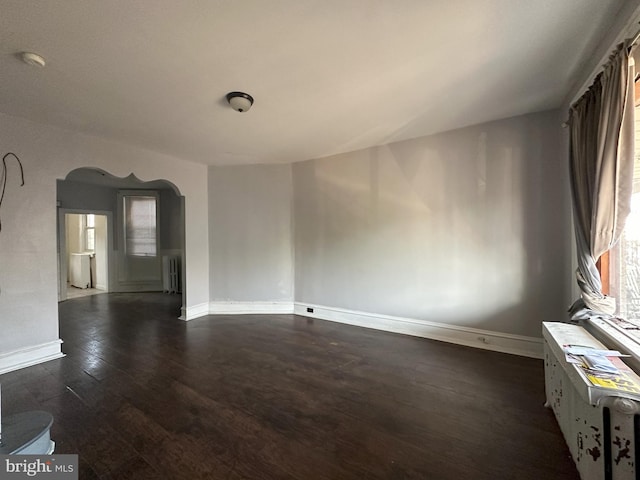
{"x":305,"y":239}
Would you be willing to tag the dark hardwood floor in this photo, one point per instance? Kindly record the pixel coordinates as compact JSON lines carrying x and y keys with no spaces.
{"x":143,"y":395}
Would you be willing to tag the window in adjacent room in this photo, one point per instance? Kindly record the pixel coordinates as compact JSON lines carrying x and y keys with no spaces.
{"x":140,"y":224}
{"x":89,"y":232}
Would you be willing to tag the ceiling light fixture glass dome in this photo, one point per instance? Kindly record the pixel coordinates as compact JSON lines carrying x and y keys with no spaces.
{"x":240,"y":101}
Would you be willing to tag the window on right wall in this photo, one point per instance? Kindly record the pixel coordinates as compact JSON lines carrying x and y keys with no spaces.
{"x":624,"y":259}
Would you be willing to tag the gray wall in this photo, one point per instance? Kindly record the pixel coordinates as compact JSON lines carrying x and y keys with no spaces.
{"x":171,"y":221}
{"x":250,"y":235}
{"x":469,"y":227}
{"x":83,"y":196}
{"x":78,"y":195}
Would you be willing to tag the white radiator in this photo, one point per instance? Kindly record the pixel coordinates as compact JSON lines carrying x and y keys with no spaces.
{"x":171,"y":274}
{"x":601,"y":425}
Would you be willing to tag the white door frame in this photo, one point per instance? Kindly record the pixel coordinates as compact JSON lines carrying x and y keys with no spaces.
{"x":63,"y":261}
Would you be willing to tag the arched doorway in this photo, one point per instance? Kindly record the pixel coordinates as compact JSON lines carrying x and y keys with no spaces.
{"x":144,"y":231}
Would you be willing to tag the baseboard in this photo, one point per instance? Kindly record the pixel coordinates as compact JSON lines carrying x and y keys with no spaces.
{"x":236,"y":308}
{"x":240,"y":308}
{"x":195,"y":311}
{"x":28,"y":356}
{"x":136,"y":287}
{"x":471,"y":337}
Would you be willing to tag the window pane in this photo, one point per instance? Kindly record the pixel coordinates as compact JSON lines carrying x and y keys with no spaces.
{"x":140,"y":225}
{"x":625,"y":256}
{"x":91,"y":220}
{"x":90,"y":239}
{"x":628,"y":254}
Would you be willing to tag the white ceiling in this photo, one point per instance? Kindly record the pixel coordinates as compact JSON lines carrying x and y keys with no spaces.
{"x":328,"y":76}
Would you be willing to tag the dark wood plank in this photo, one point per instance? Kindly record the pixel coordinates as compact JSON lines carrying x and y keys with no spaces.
{"x":144,"y":395}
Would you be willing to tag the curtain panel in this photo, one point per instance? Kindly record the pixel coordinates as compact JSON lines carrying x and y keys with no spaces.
{"x":601,"y":172}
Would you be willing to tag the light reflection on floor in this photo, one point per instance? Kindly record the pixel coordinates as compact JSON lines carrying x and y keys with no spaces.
{"x":75,"y":292}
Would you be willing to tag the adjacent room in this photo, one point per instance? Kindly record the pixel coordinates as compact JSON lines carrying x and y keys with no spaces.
{"x":301,"y":238}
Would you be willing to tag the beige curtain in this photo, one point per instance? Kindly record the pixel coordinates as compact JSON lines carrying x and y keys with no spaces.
{"x":601,"y":161}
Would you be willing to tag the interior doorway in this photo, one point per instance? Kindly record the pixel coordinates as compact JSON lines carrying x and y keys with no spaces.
{"x":84,"y":253}
{"x":130,"y":264}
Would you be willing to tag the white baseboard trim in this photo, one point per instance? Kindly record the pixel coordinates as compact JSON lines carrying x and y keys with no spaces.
{"x":135,"y":287}
{"x":194,"y":311}
{"x":240,"y":308}
{"x":28,"y":356}
{"x":236,"y":308}
{"x":471,"y":337}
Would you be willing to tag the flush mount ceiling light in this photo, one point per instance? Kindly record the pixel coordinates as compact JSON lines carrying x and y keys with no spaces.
{"x":32,"y":59}
{"x":240,"y":101}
